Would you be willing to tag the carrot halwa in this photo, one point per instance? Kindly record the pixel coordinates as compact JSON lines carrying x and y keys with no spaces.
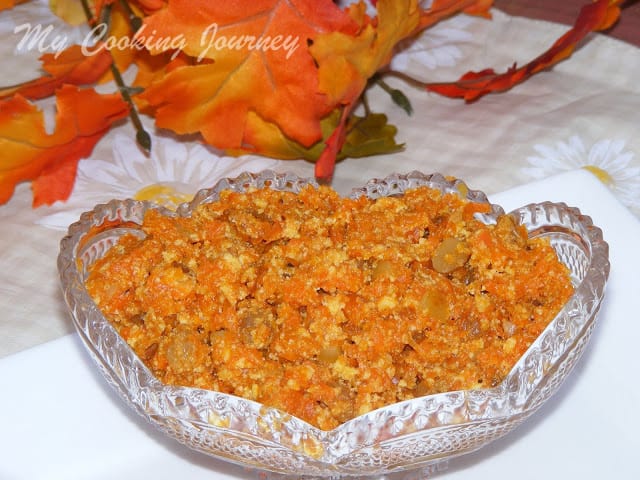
{"x":327,"y":307}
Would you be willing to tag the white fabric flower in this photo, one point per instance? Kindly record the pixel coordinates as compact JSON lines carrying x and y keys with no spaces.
{"x":606,"y":159}
{"x":436,"y":47}
{"x":172,"y":173}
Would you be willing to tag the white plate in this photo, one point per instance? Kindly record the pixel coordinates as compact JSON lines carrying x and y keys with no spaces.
{"x":61,"y":420}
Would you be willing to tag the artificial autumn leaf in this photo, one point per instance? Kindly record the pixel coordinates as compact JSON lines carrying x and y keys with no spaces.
{"x":97,"y":7}
{"x":71,"y":11}
{"x":356,"y":137}
{"x":442,"y":9}
{"x":116,"y":33}
{"x":71,"y":66}
{"x":326,"y":162}
{"x":138,"y":7}
{"x":83,"y":117}
{"x":236,"y":74}
{"x":82,"y":64}
{"x":56,"y":180}
{"x":111,"y":24}
{"x":346,"y":62}
{"x":358,"y":57}
{"x":478,"y":7}
{"x":272,"y":77}
{"x":369,"y":135}
{"x":8,"y":4}
{"x":152,"y":68}
{"x":120,"y":28}
{"x":472,"y":85}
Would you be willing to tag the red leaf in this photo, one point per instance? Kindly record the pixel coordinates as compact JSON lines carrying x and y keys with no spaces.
{"x":50,"y":159}
{"x":9,"y":4}
{"x":441,"y":9}
{"x":326,"y":162}
{"x":472,"y":85}
{"x":56,"y":181}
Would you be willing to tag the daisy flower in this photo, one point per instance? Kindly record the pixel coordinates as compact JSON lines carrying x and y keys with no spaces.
{"x":434,"y":48}
{"x":170,"y":175}
{"x":607,"y":159}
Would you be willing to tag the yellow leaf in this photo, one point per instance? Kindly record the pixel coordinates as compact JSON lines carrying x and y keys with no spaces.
{"x":346,"y":62}
{"x":70,"y":11}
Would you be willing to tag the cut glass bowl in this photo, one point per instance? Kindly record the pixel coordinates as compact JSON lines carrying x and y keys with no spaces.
{"x":410,"y":435}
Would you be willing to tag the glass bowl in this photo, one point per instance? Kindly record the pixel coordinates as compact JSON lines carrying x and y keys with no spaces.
{"x":414,"y":434}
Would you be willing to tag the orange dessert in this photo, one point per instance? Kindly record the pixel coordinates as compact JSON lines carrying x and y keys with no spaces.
{"x":326,"y":307}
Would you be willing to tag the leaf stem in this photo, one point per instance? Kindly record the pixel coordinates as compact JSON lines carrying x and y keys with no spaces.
{"x":398,"y":97}
{"x":87,"y":11}
{"x":135,"y":22}
{"x":365,"y":103}
{"x":142,"y":136}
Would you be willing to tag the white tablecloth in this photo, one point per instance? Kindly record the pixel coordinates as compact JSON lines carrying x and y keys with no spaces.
{"x":66,"y":423}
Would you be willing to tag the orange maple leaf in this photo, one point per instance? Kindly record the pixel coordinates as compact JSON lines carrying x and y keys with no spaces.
{"x":149,"y":6}
{"x":84,"y":64}
{"x":249,"y":58}
{"x":50,"y":160}
{"x":73,"y":12}
{"x":347,"y":62}
{"x":8,"y":4}
{"x":472,"y":85}
{"x":71,"y":66}
{"x":112,"y":27}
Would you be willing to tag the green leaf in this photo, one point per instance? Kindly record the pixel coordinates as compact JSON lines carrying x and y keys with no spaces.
{"x":370,"y":135}
{"x":366,"y":135}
